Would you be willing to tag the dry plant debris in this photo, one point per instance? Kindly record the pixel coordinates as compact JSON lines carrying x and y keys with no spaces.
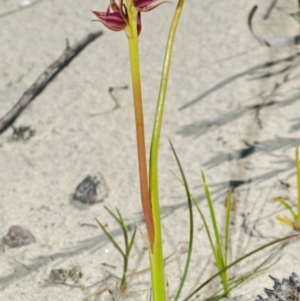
{"x":22,"y":133}
{"x":286,"y":290}
{"x":65,"y":275}
{"x":17,"y":237}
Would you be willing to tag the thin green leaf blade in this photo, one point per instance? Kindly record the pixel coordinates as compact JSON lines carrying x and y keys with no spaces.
{"x":211,"y":210}
{"x":121,"y":219}
{"x":131,"y":241}
{"x":227,"y":225}
{"x":191,"y":220}
{"x":287,"y":206}
{"x":219,"y":251}
{"x":239,"y":260}
{"x":207,"y":229}
{"x":110,"y":238}
{"x":113,"y":216}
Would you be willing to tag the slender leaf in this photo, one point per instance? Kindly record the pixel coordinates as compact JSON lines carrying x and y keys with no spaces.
{"x":131,"y":241}
{"x":110,"y":238}
{"x":211,"y":209}
{"x":219,"y":252}
{"x":156,"y":254}
{"x":191,"y":219}
{"x":227,"y":225}
{"x":287,"y":206}
{"x":121,"y":219}
{"x":285,"y":221}
{"x":206,"y":228}
{"x":114,"y":216}
{"x":213,"y":248}
{"x":234,"y":283}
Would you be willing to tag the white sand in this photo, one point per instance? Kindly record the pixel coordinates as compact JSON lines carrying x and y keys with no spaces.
{"x":217,"y":75}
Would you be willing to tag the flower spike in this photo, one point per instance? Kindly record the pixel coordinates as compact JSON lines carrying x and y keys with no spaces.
{"x":116,"y":17}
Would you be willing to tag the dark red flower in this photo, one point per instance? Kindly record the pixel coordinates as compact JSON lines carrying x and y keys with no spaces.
{"x":112,"y":20}
{"x":116,"y":16}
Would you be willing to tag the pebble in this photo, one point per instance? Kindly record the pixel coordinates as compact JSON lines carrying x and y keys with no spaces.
{"x":17,"y":237}
{"x":92,"y":189}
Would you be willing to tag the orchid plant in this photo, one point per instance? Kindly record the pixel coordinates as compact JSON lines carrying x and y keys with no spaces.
{"x":126,"y":15}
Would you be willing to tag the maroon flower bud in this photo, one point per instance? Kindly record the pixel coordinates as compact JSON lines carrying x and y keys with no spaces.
{"x":116,"y":16}
{"x":112,"y":20}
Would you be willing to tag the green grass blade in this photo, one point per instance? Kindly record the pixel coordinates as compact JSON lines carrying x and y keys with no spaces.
{"x":110,"y":238}
{"x":239,"y":260}
{"x":191,"y":219}
{"x":119,"y":219}
{"x":124,"y":229}
{"x":227,"y":225}
{"x":298,"y":185}
{"x":206,"y":228}
{"x":234,"y":283}
{"x":287,"y":206}
{"x":285,"y":221}
{"x":127,"y":254}
{"x":213,"y":248}
{"x":212,"y":212}
{"x":122,"y":222}
{"x":219,"y":252}
{"x":114,"y":216}
{"x":131,"y":241}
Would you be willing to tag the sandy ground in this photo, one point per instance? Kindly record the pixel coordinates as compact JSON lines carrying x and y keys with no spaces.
{"x":228,"y":113}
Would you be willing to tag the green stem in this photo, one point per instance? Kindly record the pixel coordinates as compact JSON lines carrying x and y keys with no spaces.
{"x":139,"y":120}
{"x":156,"y":257}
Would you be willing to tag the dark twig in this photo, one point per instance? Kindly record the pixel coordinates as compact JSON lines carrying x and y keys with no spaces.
{"x":269,"y":10}
{"x":49,"y":74}
{"x":111,"y":90}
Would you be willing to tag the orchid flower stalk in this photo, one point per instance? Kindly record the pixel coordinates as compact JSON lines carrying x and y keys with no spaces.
{"x":127,"y":16}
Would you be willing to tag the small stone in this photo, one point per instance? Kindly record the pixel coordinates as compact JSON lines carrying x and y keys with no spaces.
{"x":91,"y":190}
{"x":17,"y":237}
